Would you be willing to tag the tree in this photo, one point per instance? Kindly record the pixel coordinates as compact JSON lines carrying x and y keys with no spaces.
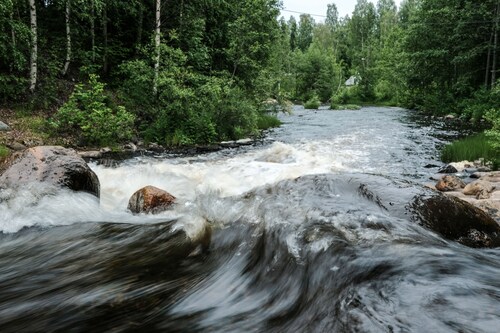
{"x":157,"y":46}
{"x":68,"y":37}
{"x":305,"y":32}
{"x":292,"y":23}
{"x":332,"y":17}
{"x":34,"y":46}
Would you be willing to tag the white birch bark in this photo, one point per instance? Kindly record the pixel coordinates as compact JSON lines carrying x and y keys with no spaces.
{"x":157,"y":47}
{"x":34,"y":46}
{"x":68,"y":38}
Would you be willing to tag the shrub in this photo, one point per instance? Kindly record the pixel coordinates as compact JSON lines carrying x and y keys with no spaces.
{"x":340,"y":97}
{"x":345,"y":107}
{"x":313,"y":102}
{"x":493,"y":116}
{"x":384,"y":91}
{"x":266,"y":121}
{"x":475,"y":108}
{"x":89,"y":112}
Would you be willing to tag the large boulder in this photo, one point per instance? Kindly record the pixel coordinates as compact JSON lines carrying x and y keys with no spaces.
{"x":150,"y":199}
{"x":53,"y":165}
{"x":457,"y":220}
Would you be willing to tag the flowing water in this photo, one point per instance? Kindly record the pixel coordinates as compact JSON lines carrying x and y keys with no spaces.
{"x":311,"y":233}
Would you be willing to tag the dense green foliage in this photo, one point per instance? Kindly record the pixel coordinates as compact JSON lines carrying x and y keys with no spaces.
{"x":216,"y":61}
{"x":437,"y":56}
{"x":313,"y":102}
{"x":90,"y":114}
{"x":216,"y":66}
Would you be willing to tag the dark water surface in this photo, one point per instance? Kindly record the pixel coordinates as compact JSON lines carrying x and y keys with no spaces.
{"x":311,"y":233}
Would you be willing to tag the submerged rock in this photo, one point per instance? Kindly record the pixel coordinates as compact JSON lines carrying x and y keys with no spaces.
{"x":448,"y":169}
{"x":449,"y":183}
{"x":457,"y":220}
{"x":150,"y":199}
{"x":52,"y":165}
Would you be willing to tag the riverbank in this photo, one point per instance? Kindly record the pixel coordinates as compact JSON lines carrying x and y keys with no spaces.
{"x":471,"y":182}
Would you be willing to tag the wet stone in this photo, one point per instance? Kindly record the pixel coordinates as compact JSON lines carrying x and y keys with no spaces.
{"x":4,"y":127}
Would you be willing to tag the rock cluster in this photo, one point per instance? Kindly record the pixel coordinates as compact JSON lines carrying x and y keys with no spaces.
{"x":481,"y":189}
{"x":65,"y":168}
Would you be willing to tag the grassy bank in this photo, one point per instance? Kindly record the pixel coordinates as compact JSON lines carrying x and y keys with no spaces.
{"x":471,"y":148}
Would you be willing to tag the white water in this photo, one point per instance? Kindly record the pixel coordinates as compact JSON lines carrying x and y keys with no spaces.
{"x":198,"y":181}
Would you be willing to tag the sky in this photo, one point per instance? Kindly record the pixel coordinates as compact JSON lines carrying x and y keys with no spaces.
{"x":319,"y":7}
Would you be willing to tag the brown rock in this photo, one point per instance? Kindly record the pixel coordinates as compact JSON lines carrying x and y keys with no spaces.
{"x":150,"y":199}
{"x":53,"y":165}
{"x":493,"y":177}
{"x":480,"y":188}
{"x":16,"y":146}
{"x":449,"y":183}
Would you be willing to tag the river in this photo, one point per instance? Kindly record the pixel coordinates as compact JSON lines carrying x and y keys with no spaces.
{"x":311,"y":233}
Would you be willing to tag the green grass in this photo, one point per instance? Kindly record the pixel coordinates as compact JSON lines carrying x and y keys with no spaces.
{"x":4,"y":151}
{"x":345,"y":107}
{"x":470,"y":148}
{"x":266,"y":121}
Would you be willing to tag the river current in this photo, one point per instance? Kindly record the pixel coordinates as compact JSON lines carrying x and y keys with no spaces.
{"x":311,"y":233}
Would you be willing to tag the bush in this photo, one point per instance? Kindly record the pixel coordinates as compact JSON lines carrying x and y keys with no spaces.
{"x":340,"y":97}
{"x":483,"y":100}
{"x":345,"y":107}
{"x":493,"y":116}
{"x":384,"y":91}
{"x":266,"y":121}
{"x":89,"y":112}
{"x":313,"y":103}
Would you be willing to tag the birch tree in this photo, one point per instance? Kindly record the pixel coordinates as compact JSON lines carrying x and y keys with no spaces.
{"x":34,"y":46}
{"x":157,"y":47}
{"x":68,"y":37}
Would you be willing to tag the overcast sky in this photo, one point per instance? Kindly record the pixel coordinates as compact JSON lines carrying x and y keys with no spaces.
{"x":319,"y":7}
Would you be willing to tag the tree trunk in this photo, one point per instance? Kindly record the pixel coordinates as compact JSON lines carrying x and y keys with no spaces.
{"x":34,"y":46}
{"x":105,"y":37}
{"x":68,"y":38}
{"x":139,"y":28}
{"x":488,"y":60}
{"x":181,"y":14}
{"x":12,"y":30}
{"x":92,"y":28}
{"x":157,"y":47}
{"x":495,"y":46}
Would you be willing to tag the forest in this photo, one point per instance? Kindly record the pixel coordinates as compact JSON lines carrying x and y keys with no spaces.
{"x":189,"y":72}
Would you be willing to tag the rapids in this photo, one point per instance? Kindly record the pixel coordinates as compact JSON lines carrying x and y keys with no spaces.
{"x":311,"y":233}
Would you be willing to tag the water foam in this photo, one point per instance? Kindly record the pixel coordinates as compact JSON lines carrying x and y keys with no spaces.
{"x":198,"y":183}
